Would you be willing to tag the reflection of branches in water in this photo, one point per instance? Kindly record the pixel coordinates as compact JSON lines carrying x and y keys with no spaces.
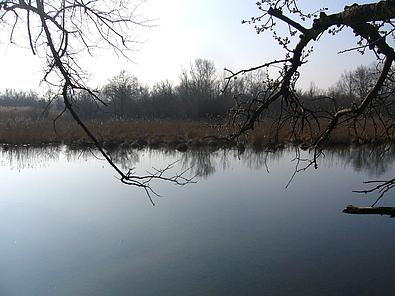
{"x":72,"y":153}
{"x":257,"y":159}
{"x":22,"y":157}
{"x":374,"y":159}
{"x":201,"y":161}
{"x":125,"y":157}
{"x":205,"y":162}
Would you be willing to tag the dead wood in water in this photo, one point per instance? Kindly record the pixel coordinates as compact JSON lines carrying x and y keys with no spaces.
{"x":370,"y":210}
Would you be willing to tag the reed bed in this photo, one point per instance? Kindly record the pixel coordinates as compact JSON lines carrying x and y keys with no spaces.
{"x":17,"y":128}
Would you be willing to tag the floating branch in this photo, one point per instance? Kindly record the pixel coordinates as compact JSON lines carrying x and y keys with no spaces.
{"x":350,"y":209}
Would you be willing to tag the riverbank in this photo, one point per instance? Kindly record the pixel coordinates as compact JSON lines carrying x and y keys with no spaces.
{"x":175,"y":134}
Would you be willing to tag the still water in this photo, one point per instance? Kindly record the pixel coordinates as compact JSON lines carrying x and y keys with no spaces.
{"x":69,"y":227}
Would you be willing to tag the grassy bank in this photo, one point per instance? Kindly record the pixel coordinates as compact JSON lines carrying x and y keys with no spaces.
{"x":153,"y":133}
{"x":179,"y":134}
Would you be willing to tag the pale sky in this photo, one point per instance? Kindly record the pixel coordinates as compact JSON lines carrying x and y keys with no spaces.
{"x":184,"y":30}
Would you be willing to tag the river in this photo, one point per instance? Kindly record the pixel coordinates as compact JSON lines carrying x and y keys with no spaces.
{"x":69,"y":227}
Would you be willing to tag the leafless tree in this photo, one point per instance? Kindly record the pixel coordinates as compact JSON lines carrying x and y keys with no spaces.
{"x":373,"y":27}
{"x":199,"y":88}
{"x":59,"y":31}
{"x":121,"y":92}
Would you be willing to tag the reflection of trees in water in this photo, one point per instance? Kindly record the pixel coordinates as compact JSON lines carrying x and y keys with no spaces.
{"x":22,"y":157}
{"x":374,"y":159}
{"x":127,"y":158}
{"x":204,"y":162}
{"x":257,"y":159}
{"x":124,"y":157}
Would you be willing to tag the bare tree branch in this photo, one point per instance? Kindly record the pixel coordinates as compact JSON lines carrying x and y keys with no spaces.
{"x":59,"y":30}
{"x":371,"y":24}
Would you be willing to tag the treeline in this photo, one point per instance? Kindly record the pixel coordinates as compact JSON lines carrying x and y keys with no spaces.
{"x":198,"y":95}
{"x":350,"y":89}
{"x":13,"y":98}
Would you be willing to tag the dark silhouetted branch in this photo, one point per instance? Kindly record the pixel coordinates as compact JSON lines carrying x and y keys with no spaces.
{"x":370,"y":210}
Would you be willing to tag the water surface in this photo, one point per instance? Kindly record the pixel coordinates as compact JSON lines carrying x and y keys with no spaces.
{"x":69,"y":227}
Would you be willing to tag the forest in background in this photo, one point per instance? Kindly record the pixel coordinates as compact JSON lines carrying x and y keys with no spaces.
{"x":199,"y":95}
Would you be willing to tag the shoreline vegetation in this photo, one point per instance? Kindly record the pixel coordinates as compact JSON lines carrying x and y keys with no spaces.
{"x":181,"y":135}
{"x":192,"y":114}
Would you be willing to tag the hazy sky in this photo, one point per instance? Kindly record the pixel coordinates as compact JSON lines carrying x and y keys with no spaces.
{"x":185,"y":30}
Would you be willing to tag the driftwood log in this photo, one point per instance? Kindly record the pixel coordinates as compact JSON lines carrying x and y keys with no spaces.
{"x":350,"y":209}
